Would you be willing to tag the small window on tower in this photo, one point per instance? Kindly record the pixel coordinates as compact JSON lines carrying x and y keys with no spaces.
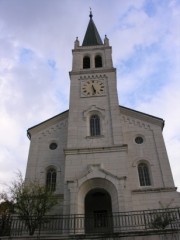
{"x":86,"y":62}
{"x":98,"y":61}
{"x":95,"y":125}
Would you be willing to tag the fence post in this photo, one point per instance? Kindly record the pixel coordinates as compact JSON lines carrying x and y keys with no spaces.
{"x":74,"y":223}
{"x":144,"y":215}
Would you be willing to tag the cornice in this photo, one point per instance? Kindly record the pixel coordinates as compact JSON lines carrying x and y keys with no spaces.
{"x":91,"y":48}
{"x":73,"y":151}
{"x":92,"y":71}
{"x":155,"y":190}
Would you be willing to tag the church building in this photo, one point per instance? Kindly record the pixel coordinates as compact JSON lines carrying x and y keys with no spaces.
{"x":99,"y":157}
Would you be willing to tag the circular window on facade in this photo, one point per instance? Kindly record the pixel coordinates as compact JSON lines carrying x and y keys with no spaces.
{"x":139,"y":140}
{"x":53,"y":146}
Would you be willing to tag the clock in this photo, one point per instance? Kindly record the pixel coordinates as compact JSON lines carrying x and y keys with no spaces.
{"x":91,"y":88}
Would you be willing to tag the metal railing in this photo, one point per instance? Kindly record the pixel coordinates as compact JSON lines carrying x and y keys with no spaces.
{"x":115,"y":223}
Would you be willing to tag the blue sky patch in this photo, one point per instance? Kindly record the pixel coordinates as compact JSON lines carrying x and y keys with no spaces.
{"x":26,"y":55}
{"x":150,"y":8}
{"x":52,"y":63}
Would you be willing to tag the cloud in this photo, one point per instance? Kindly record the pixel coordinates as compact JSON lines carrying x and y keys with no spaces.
{"x":36,"y":38}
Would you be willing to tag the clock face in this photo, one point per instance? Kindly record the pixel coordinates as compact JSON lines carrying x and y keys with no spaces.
{"x":93,"y":88}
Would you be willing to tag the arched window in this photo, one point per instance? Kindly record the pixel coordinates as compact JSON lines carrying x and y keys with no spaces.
{"x":143,"y":172}
{"x":98,"y":61}
{"x":95,"y":125}
{"x":51,"y":179}
{"x":86,"y":62}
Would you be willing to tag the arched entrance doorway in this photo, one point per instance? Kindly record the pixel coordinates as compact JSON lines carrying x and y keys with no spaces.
{"x":98,"y":211}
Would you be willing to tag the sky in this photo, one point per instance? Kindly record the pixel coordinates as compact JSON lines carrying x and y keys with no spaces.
{"x":36,"y":40}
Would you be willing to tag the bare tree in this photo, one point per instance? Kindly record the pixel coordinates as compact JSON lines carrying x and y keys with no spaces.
{"x":6,"y":209}
{"x":32,"y":201}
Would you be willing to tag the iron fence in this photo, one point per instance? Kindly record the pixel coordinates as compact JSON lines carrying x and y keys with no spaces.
{"x":120,"y":222}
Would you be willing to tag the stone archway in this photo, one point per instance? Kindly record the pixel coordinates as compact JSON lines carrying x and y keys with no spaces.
{"x":97,"y":199}
{"x":104,"y":186}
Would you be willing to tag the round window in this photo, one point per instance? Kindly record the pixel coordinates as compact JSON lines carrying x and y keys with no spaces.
{"x":53,"y":146}
{"x":139,"y":140}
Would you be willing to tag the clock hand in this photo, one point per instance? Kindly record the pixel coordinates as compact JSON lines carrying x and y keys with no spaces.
{"x":93,"y":88}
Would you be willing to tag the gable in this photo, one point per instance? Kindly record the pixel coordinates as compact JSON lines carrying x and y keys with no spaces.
{"x":139,"y":118}
{"x":56,"y":121}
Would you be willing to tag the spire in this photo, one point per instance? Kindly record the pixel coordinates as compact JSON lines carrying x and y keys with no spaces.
{"x":92,"y":36}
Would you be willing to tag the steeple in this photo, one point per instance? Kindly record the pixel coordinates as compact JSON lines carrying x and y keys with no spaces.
{"x":92,"y":36}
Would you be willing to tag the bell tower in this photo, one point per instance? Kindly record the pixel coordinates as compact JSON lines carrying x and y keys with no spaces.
{"x":94,"y":137}
{"x":94,"y":109}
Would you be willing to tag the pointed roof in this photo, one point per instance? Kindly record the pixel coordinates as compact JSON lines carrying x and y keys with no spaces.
{"x":92,"y":36}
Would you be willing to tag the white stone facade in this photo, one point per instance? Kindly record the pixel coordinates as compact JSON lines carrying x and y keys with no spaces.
{"x":109,"y":161}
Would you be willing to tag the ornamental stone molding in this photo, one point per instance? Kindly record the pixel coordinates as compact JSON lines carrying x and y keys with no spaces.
{"x":94,"y":109}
